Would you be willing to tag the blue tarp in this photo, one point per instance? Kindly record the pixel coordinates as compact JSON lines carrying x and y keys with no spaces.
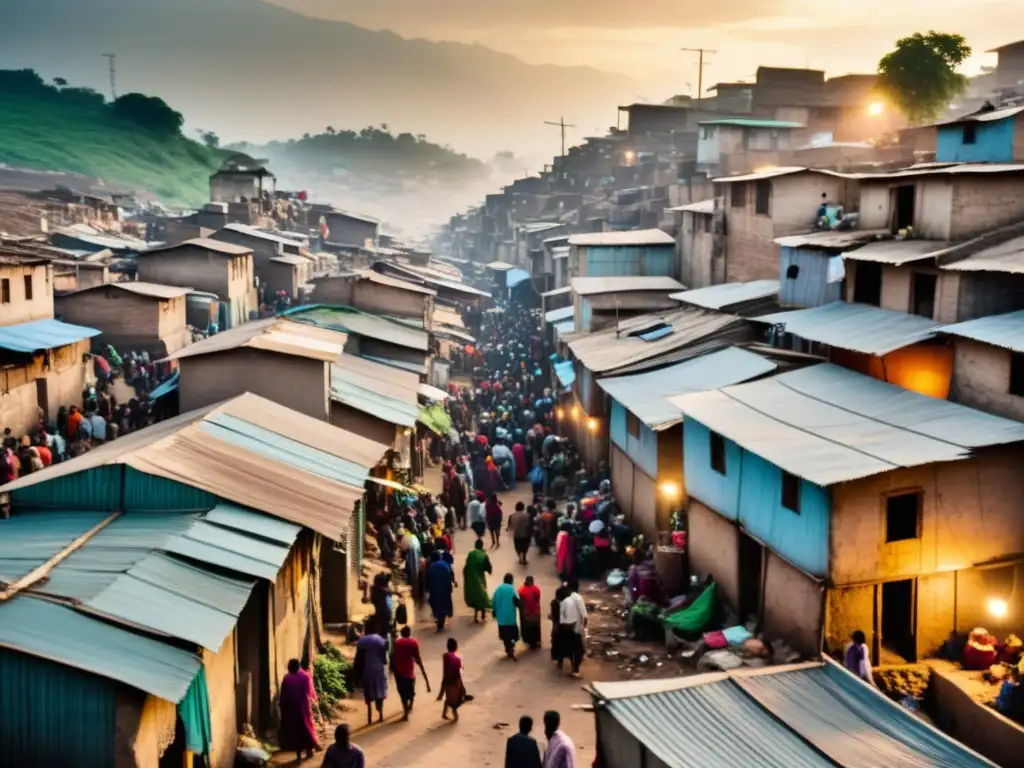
{"x":167,"y":387}
{"x":516,"y":276}
{"x":566,"y":373}
{"x":43,"y":334}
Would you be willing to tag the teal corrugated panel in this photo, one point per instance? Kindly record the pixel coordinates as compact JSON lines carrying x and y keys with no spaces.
{"x":96,"y":488}
{"x":54,"y":715}
{"x":253,"y":523}
{"x":28,"y":540}
{"x":143,"y":491}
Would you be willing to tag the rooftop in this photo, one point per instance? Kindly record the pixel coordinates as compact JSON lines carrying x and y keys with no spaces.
{"x":206,"y":243}
{"x":393,"y":282}
{"x":149,"y":290}
{"x":720,"y":297}
{"x":291,"y":259}
{"x":557,"y":315}
{"x":751,"y":122}
{"x":899,"y":252}
{"x":249,"y":451}
{"x":624,"y":238}
{"x":829,"y":425}
{"x":269,"y":335}
{"x":646,"y":395}
{"x":1006,"y":257}
{"x":813,"y":715}
{"x":1006,"y":331}
{"x":833,"y":239}
{"x":588,"y":286}
{"x":625,"y":346}
{"x":379,"y":390}
{"x":771,"y":173}
{"x":262,"y":234}
{"x":500,"y":266}
{"x":42,"y":334}
{"x":855,"y":327}
{"x":985,"y":116}
{"x":704,"y":206}
{"x":359,"y":323}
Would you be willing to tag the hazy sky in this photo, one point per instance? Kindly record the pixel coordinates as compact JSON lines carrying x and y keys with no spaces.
{"x":642,"y":39}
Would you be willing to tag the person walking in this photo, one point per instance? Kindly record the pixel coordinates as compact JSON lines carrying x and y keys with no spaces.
{"x":561,"y":752}
{"x":858,"y":658}
{"x":529,"y":611}
{"x":343,"y":753}
{"x":521,"y":750}
{"x":494,"y":516}
{"x":474,"y":580}
{"x":298,"y":733}
{"x":371,"y":668}
{"x":477,"y":514}
{"x":406,"y":658}
{"x":573,"y":620}
{"x":439,"y":583}
{"x":506,"y":604}
{"x":521,"y":525}
{"x":452,"y":688}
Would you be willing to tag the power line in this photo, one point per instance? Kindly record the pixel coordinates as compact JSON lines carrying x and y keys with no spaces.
{"x":113,"y":76}
{"x":563,"y":125}
{"x":700,"y":67}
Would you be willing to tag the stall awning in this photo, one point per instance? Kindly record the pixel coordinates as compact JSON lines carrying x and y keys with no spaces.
{"x":433,"y":393}
{"x":435,"y":418}
{"x":516,"y":276}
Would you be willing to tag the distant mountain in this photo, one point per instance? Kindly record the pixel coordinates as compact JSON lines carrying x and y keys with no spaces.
{"x":253,"y":71}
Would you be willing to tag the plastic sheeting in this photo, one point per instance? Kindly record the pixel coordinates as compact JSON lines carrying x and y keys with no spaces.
{"x":194,"y":710}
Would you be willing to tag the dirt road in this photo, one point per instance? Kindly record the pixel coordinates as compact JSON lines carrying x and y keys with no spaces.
{"x":504,"y":689}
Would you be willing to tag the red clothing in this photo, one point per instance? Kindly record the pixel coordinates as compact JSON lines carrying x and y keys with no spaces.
{"x":44,"y":455}
{"x":530,"y":600}
{"x":451,"y":667}
{"x":74,"y":422}
{"x":407,"y":653}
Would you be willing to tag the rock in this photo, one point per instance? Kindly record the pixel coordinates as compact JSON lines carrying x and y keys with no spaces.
{"x":499,"y":726}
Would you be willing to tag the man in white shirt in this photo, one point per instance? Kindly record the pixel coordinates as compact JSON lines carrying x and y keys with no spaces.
{"x":476,"y":512}
{"x":573,"y":620}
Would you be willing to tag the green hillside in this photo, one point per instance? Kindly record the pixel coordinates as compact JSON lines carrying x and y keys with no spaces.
{"x":47,"y":127}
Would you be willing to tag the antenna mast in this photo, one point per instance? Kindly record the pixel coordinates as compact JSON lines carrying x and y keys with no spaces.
{"x":113,"y":75}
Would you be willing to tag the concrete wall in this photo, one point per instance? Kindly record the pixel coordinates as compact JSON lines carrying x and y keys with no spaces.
{"x":21,"y":392}
{"x":294,"y":382}
{"x":849,"y":609}
{"x":982,"y":294}
{"x":288,"y":600}
{"x":192,"y":266}
{"x":792,"y":605}
{"x":694,"y":245}
{"x":985,"y":201}
{"x":981,"y":379}
{"x":390,"y":300}
{"x":21,"y":309}
{"x":957,"y":497}
{"x":348,"y":231}
{"x":127,"y":320}
{"x":220,"y":681}
{"x":713,"y":544}
{"x":278,"y":276}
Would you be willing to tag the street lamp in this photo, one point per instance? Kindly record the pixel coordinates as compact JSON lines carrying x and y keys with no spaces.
{"x":876,"y":108}
{"x":592,"y":425}
{"x":997,"y":608}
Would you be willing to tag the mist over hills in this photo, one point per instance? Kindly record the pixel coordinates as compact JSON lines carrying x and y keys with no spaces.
{"x":256,"y":72}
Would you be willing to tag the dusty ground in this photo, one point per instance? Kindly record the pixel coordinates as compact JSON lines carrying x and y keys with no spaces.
{"x":504,"y":690}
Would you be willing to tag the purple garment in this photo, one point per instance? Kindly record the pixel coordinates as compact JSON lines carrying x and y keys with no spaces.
{"x":561,"y":752}
{"x":375,"y":667}
{"x":297,"y":730}
{"x":352,"y":757}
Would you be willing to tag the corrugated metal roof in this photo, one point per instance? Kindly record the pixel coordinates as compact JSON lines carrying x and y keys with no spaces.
{"x":985,"y":116}
{"x":1006,"y":257}
{"x":752,"y":122}
{"x":262,"y":234}
{"x":838,"y":240}
{"x":402,"y":365}
{"x":799,"y":716}
{"x":379,"y":377}
{"x":646,"y":394}
{"x":704,"y":206}
{"x":500,"y":266}
{"x":209,"y":244}
{"x":42,"y":334}
{"x":828,"y":424}
{"x":393,"y":282}
{"x":560,"y":252}
{"x":938,"y":170}
{"x":28,"y":541}
{"x":432,"y":393}
{"x":611,"y":349}
{"x":767,"y":173}
{"x":245,"y":520}
{"x":346,"y":389}
{"x":558,"y":291}
{"x":719,"y":297}
{"x":898,"y":252}
{"x":361,"y":324}
{"x":230,"y":549}
{"x":557,"y":315}
{"x":1006,"y":331}
{"x":624,"y":238}
{"x":855,"y":327}
{"x":285,"y":466}
{"x":588,"y":286}
{"x":290,"y":259}
{"x":151,"y":290}
{"x":270,"y":335}
{"x":65,"y":636}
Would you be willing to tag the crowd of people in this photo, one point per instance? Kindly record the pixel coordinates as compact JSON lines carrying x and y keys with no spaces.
{"x":99,"y":419}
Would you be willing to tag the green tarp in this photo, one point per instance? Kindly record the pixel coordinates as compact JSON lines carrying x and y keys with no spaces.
{"x":194,"y":711}
{"x":695,"y":618}
{"x":435,"y":418}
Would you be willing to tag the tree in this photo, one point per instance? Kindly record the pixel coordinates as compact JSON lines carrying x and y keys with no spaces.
{"x":210,"y":139}
{"x":150,"y":112}
{"x":60,"y":82}
{"x":919,"y":76}
{"x":330,"y":130}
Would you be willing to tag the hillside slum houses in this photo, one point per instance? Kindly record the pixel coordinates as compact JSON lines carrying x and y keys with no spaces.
{"x":789,"y":325}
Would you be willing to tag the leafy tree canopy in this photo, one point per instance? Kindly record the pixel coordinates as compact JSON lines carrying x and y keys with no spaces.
{"x":919,"y":76}
{"x":150,"y":112}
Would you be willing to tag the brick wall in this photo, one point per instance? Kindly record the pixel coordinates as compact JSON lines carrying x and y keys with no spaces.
{"x":985,"y":202}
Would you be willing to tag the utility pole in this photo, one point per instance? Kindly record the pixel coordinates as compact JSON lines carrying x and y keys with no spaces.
{"x":563,"y":125}
{"x":113,"y":78}
{"x":700,"y":67}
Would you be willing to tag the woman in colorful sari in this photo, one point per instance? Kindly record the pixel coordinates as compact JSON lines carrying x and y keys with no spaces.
{"x":529,"y":612}
{"x":297,"y":733}
{"x":474,"y":579}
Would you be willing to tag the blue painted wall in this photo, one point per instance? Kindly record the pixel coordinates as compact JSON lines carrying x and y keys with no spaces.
{"x":659,"y":260}
{"x":810,"y":287}
{"x":642,"y":450}
{"x":586,"y":314}
{"x":750,"y":493}
{"x":993,"y":143}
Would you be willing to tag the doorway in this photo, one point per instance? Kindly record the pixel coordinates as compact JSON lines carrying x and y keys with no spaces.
{"x":174,"y":755}
{"x":751,"y":563}
{"x":905,"y":198}
{"x":899,"y":617}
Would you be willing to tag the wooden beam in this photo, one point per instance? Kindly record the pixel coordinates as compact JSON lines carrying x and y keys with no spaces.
{"x":43,"y":570}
